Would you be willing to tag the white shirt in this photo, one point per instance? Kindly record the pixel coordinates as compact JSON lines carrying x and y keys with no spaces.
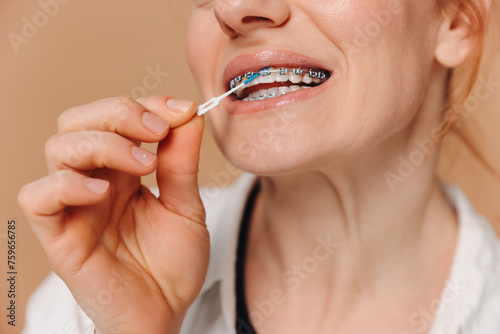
{"x":469,"y":304}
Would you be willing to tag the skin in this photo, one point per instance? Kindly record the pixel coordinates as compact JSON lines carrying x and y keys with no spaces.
{"x":396,"y":245}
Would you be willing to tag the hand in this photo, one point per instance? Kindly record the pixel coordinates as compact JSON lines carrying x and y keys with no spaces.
{"x":133,"y":262}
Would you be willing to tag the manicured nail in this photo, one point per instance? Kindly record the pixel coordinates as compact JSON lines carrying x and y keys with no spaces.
{"x":180,"y":106}
{"x":154,"y":123}
{"x":143,"y":156}
{"x":96,"y":185}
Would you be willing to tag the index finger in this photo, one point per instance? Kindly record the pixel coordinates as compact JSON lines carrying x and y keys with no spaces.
{"x":145,"y":120}
{"x":177,"y":112}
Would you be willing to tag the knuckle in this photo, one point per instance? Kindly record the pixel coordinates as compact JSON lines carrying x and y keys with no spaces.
{"x":65,"y":121}
{"x":23,"y":197}
{"x":60,"y":177}
{"x":124,"y":105}
{"x":51,"y":145}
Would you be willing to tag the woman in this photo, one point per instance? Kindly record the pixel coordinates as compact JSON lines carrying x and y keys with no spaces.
{"x":332,"y":236}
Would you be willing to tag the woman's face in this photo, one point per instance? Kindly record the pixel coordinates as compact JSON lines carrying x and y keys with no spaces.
{"x":376,"y":55}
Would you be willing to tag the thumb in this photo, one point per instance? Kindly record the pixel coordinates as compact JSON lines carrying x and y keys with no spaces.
{"x":177,"y":173}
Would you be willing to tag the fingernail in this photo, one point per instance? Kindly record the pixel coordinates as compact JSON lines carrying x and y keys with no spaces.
{"x":180,"y":106}
{"x":143,"y":156}
{"x":154,"y":123}
{"x":96,"y":185}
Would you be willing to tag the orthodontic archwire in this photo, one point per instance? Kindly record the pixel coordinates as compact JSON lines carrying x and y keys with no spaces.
{"x":214,"y":101}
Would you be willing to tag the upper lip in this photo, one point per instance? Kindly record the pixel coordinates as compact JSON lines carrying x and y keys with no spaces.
{"x":253,"y":62}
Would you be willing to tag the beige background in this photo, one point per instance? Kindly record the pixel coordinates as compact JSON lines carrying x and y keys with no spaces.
{"x":93,"y":49}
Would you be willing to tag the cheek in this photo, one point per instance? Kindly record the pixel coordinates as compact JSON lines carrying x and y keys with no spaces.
{"x":387,"y":59}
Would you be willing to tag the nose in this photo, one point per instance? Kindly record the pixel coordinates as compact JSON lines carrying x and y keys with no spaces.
{"x":241,"y":17}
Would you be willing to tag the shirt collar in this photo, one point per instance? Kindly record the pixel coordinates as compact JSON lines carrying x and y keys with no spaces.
{"x":476,"y":256}
{"x":477,"y":243}
{"x":224,"y":214}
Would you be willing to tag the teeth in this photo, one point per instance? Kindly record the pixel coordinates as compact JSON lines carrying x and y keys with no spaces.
{"x":273,"y":91}
{"x":295,"y":76}
{"x":265,"y":72}
{"x":270,"y":75}
{"x":269,"y":78}
{"x":281,"y":77}
{"x":283,"y":90}
{"x":313,"y":74}
{"x":307,"y":79}
{"x":264,"y":94}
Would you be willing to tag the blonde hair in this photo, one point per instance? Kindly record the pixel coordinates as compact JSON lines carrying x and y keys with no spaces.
{"x":463,"y":78}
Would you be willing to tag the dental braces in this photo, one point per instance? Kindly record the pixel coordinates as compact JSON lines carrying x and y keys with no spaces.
{"x":214,"y":101}
{"x":262,"y":97}
{"x":320,"y":74}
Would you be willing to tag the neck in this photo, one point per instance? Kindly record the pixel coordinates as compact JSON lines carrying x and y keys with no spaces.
{"x":377,"y":209}
{"x":363,"y":227}
{"x":350,"y":232}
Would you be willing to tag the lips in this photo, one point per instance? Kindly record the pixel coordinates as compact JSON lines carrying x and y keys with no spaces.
{"x":258,"y":95}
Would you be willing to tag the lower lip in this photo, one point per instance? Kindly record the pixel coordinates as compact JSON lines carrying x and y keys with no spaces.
{"x":234,"y":106}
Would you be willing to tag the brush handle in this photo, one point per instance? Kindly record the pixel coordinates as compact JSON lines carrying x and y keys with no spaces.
{"x":214,"y":101}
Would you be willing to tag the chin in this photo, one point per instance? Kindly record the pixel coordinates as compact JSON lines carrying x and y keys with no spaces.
{"x":278,"y":156}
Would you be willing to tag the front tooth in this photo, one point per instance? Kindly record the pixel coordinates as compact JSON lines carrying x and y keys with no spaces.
{"x":263,"y":93}
{"x":294,"y":88}
{"x":307,"y":79}
{"x":281,"y":78}
{"x":295,"y":78}
{"x":269,"y":78}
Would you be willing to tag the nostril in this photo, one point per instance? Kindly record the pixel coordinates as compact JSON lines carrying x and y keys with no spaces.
{"x":251,"y":19}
